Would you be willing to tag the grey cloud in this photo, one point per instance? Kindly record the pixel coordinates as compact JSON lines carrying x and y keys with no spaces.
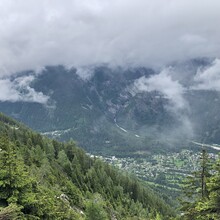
{"x":117,"y":32}
{"x":7,"y":91}
{"x":85,"y":73}
{"x":165,"y":84}
{"x":19,"y":89}
{"x":209,"y":78}
{"x":173,"y":83}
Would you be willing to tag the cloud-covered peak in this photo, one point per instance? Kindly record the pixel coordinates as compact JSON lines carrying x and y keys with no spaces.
{"x":19,"y":89}
{"x":209,"y":78}
{"x":117,"y":32}
{"x":166,"y":85}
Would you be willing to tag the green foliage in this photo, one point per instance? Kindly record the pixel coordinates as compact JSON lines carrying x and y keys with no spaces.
{"x":45,"y":179}
{"x":11,"y":212}
{"x":14,"y":181}
{"x":202,"y":192}
{"x":95,"y":209}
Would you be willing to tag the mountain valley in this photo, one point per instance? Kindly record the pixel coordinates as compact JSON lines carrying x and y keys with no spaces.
{"x":107,"y":110}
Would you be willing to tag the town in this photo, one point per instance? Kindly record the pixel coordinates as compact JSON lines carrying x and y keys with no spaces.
{"x":163,"y":170}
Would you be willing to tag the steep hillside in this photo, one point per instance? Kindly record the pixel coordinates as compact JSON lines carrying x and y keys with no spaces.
{"x":45,"y":179}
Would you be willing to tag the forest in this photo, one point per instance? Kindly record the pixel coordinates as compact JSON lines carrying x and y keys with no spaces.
{"x":201,"y":192}
{"x":42,"y":178}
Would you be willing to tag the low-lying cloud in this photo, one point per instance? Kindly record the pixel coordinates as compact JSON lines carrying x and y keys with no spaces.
{"x":85,"y":73}
{"x":76,"y":33}
{"x":167,"y":83}
{"x":19,"y":89}
{"x":163,"y":83}
{"x":209,"y":78}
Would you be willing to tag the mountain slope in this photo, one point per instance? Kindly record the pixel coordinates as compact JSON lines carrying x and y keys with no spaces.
{"x":113,"y":109}
{"x":44,"y":179}
{"x":100,"y":113}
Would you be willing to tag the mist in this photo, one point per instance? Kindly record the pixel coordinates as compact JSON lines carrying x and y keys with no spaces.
{"x":117,"y":32}
{"x":19,"y":89}
{"x":124,"y":33}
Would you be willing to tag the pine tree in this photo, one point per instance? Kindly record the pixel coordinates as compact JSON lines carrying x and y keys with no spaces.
{"x":11,"y":212}
{"x":211,"y":207}
{"x":205,"y":173}
{"x":195,"y":189}
{"x":95,"y":209}
{"x":15,"y":182}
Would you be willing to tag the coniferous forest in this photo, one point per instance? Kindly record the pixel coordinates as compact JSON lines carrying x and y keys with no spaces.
{"x":42,"y":178}
{"x":201,"y":192}
{"x":45,"y":179}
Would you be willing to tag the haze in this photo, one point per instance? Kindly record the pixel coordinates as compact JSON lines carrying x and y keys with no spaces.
{"x":116,"y":32}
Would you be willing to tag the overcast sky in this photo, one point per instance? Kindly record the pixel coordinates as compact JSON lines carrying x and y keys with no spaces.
{"x":119,"y":32}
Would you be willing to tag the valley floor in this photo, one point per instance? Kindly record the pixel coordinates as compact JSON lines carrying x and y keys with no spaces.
{"x":166,"y":171}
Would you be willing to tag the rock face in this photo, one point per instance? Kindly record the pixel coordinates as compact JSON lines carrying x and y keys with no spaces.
{"x":108,"y":109}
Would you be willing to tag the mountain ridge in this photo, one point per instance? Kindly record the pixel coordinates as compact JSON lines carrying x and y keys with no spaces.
{"x":107,"y":111}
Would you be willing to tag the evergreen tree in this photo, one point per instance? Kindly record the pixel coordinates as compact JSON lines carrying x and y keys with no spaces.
{"x":14,"y":179}
{"x":95,"y":210}
{"x":11,"y":212}
{"x":211,"y":206}
{"x":46,"y":179}
{"x":205,"y":172}
{"x":195,"y":189}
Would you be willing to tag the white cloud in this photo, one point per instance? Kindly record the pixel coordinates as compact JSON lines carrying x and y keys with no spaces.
{"x":119,"y":32}
{"x":19,"y":89}
{"x":164,"y":83}
{"x":167,"y":84}
{"x":7,"y":91}
{"x":208,"y":79}
{"x":85,"y":72}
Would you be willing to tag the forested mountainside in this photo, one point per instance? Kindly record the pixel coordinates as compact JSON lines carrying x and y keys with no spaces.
{"x":107,"y":110}
{"x":201,"y":198}
{"x":42,"y":178}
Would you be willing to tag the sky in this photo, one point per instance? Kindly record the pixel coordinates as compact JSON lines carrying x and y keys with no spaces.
{"x":82,"y":33}
{"x":115,"y":32}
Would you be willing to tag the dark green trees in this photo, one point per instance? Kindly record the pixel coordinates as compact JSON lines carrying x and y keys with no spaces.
{"x":95,"y":209}
{"x":11,"y":212}
{"x":210,"y":207}
{"x":14,"y":180}
{"x":15,"y":183}
{"x":202,"y":192}
{"x":195,"y":189}
{"x":46,"y":179}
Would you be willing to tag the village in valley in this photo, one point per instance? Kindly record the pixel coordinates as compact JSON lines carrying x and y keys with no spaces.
{"x":161,"y":169}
